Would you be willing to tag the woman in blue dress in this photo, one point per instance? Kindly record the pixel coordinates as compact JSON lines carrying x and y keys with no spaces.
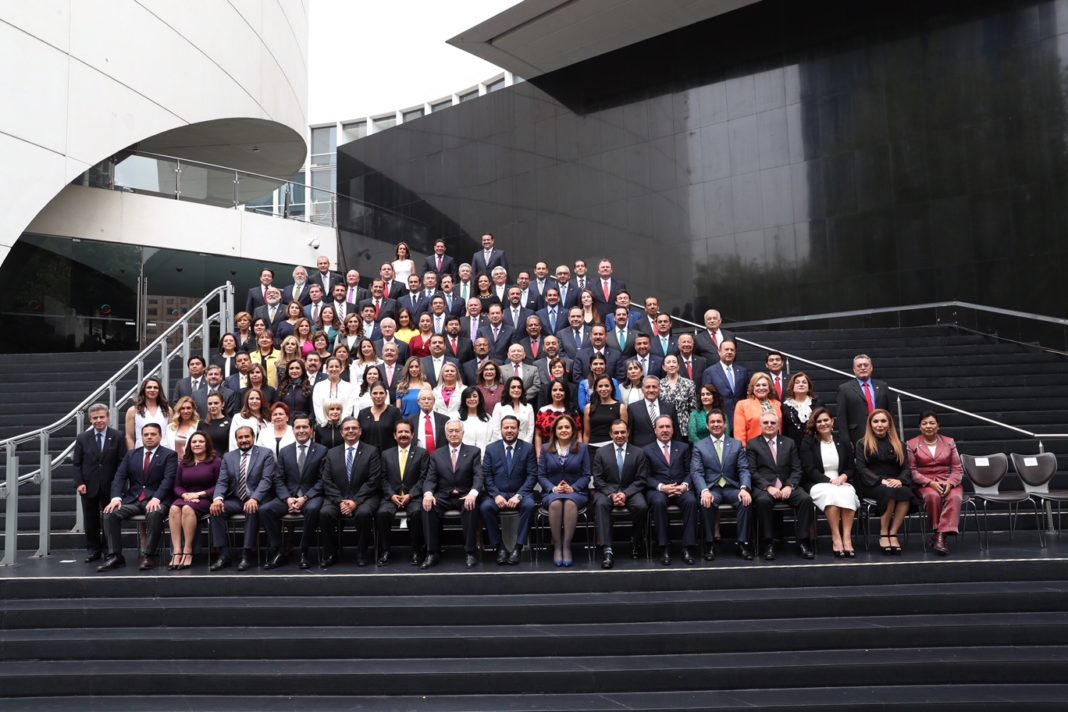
{"x":564,"y":474}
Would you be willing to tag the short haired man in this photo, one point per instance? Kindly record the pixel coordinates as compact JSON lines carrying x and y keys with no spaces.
{"x":858,"y":397}
{"x":453,"y":482}
{"x":719,"y":469}
{"x":98,"y":452}
{"x":669,"y":483}
{"x":620,"y":475}
{"x":403,"y":471}
{"x":775,"y":466}
{"x":510,"y":471}
{"x":246,"y":481}
{"x":351,"y":475}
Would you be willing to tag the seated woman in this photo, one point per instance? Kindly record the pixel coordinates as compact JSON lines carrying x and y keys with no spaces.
{"x":224,"y":357}
{"x":598,"y":368}
{"x":936,"y":474}
{"x":829,"y":467}
{"x":409,"y":385}
{"x":564,"y":475}
{"x":253,"y":413}
{"x":328,"y":433}
{"x":295,"y":390}
{"x":710,"y":399}
{"x":419,"y":345}
{"x":379,"y":418}
{"x":883,"y":472}
{"x":194,"y":487}
{"x":278,"y":432}
{"x":747,"y":413}
{"x":800,"y":402}
{"x":477,"y":427}
{"x":183,"y":423}
{"x":216,"y":425}
{"x":514,"y":404}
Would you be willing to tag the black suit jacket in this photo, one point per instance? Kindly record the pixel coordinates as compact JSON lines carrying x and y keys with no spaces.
{"x":568,"y":345}
{"x":580,"y":369}
{"x":519,"y":327}
{"x":415,"y":304}
{"x":328,"y":283}
{"x":641,"y":428}
{"x":661,"y":472}
{"x":264,"y":312}
{"x":304,"y":298}
{"x":440,"y":419}
{"x":448,"y":265}
{"x":543,"y":317}
{"x":414,"y":472}
{"x":698,"y":363}
{"x":443,"y":481}
{"x":366,"y":473}
{"x":704,"y":346}
{"x":464,"y":352}
{"x":852,"y":411}
{"x":607,"y":479}
{"x":812,"y":460}
{"x":765,"y":470}
{"x":604,"y":306}
{"x":290,"y":479}
{"x":93,"y":467}
{"x":402,"y":349}
{"x":131,"y":480}
{"x":498,"y":348}
{"x":230,"y":404}
{"x":657,"y":348}
{"x":427,"y":362}
{"x":254,"y":299}
{"x":389,"y":308}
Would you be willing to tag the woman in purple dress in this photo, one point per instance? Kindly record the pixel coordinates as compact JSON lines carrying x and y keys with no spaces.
{"x":198,"y":471}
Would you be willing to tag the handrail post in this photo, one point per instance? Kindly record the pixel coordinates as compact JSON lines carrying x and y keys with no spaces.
{"x":205,"y":334}
{"x":178,"y":179}
{"x":237,"y":189}
{"x":11,"y":512}
{"x":900,"y":418}
{"x":230,"y":310}
{"x":113,"y":407}
{"x":45,"y":520}
{"x":164,"y":367}
{"x":185,"y":347}
{"x":1041,"y":447}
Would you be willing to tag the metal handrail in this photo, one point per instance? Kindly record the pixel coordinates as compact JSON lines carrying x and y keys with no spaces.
{"x":892,"y":310}
{"x":76,"y":417}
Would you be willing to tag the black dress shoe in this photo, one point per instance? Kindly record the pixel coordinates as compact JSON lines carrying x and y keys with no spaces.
{"x":147,"y":563}
{"x":304,"y":563}
{"x":516,"y":555}
{"x":470,"y":561}
{"x":769,"y":553}
{"x":275,"y":561}
{"x":94,"y":556}
{"x":327,"y":561}
{"x":383,"y":560}
{"x":806,"y":550}
{"x":362,"y":560}
{"x":665,"y":556}
{"x":635,"y":549}
{"x":687,"y":557}
{"x":112,"y":563}
{"x":244,"y":564}
{"x":710,"y":552}
{"x":430,"y":561}
{"x":609,"y":559}
{"x":502,"y":555}
{"x":221,"y":563}
{"x":745,"y":551}
{"x":417,"y":558}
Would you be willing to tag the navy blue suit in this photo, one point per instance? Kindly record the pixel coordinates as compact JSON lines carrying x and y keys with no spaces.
{"x":136,"y":488}
{"x":260,"y":484}
{"x":448,"y":265}
{"x":292,"y":481}
{"x":663,"y":473}
{"x":714,"y":374}
{"x":95,"y":468}
{"x":608,"y":480}
{"x":706,"y":471}
{"x":580,"y":369}
{"x":546,"y":325}
{"x":509,"y":482}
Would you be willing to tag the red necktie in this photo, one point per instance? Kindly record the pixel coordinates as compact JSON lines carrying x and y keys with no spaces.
{"x":378,"y":309}
{"x":429,"y":430}
{"x":868,"y":397}
{"x":715,"y":337}
{"x":147,"y":465}
{"x":689,"y":368}
{"x":387,"y":285}
{"x":534,"y":348}
{"x":778,"y":386}
{"x":439,"y":263}
{"x":455,"y":348}
{"x":606,"y":291}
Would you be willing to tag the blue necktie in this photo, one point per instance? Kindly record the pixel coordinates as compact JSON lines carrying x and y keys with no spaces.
{"x":619,"y":459}
{"x":348,"y":462}
{"x":100,"y":442}
{"x":508,"y":459}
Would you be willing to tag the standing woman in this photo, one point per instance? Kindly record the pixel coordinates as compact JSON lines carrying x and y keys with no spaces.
{"x":403,"y":265}
{"x":486,"y":295}
{"x":679,"y":391}
{"x":630,"y":391}
{"x":243,"y":331}
{"x":936,"y":473}
{"x":558,"y":406}
{"x":216,"y":425}
{"x":590,"y":314}
{"x":268,"y":357}
{"x":557,"y":372}
{"x":150,"y":407}
{"x":514,"y":404}
{"x":304,"y":334}
{"x":602,"y":410}
{"x":278,"y":433}
{"x":419,"y":345}
{"x":405,"y":326}
{"x":488,"y":381}
{"x":322,"y":345}
{"x":194,"y":488}
{"x":477,"y":427}
{"x":183,"y":423}
{"x":564,"y":475}
{"x":296,"y":391}
{"x":341,"y":353}
{"x":697,"y":426}
{"x":224,"y":357}
{"x":598,"y":368}
{"x":364,"y":359}
{"x":352,"y":334}
{"x":798,"y":406}
{"x":408,"y":387}
{"x":828,"y":468}
{"x":288,"y":327}
{"x":379,"y":419}
{"x":371,"y":376}
{"x":328,"y":323}
{"x":447,"y":397}
{"x":253,"y":413}
{"x":257,"y":378}
{"x":329,"y":433}
{"x":883,"y":470}
{"x":333,"y":389}
{"x":748,"y":412}
{"x":290,"y":351}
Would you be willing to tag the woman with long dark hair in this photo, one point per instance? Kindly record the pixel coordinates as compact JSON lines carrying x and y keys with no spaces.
{"x":194,"y":487}
{"x":564,"y":475}
{"x":150,"y":407}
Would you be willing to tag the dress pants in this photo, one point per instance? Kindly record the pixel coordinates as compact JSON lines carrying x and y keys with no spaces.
{"x":232,"y":506}
{"x":331,"y":522}
{"x":432,"y":524}
{"x":802,"y":505}
{"x":942,"y":512}
{"x":709,"y":515}
{"x":153,"y":526}
{"x":602,"y":513}
{"x":92,"y":507}
{"x":491,"y":517}
{"x":272,"y":514}
{"x":658,"y":504}
{"x":384,"y":524}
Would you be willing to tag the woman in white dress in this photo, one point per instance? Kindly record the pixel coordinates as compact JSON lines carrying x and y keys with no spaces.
{"x":403,"y":265}
{"x":828,"y":465}
{"x":253,"y":414}
{"x":514,"y":403}
{"x":279,"y":433}
{"x":477,"y":427}
{"x":448,"y":394}
{"x":333,"y":389}
{"x":183,"y":424}
{"x":150,"y":407}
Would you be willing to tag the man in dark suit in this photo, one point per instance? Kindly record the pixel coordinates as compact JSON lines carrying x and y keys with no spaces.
{"x":143,"y":484}
{"x":774,"y":366}
{"x":298,"y":290}
{"x":858,"y":397}
{"x":775,"y":466}
{"x":605,"y":288}
{"x":342,"y":306}
{"x":619,"y":487}
{"x":647,"y":323}
{"x":403,"y":470}
{"x":553,"y":316}
{"x":598,"y":347}
{"x":391,"y":288}
{"x":691,"y":365}
{"x":729,"y":379}
{"x":457,"y":345}
{"x":194,"y":383}
{"x":97,"y":455}
{"x":453,"y":481}
{"x":432,"y":364}
{"x":719,"y":470}
{"x":324,"y":277}
{"x":652,"y":365}
{"x":576,"y":335}
{"x":354,"y":293}
{"x":298,"y":490}
{"x":316,"y":297}
{"x":239,"y":380}
{"x":663,"y":343}
{"x":620,"y":335}
{"x":510,"y":470}
{"x":273,"y":312}
{"x":515,"y":314}
{"x":483,"y":261}
{"x":439,"y":263}
{"x":387,"y":329}
{"x":382,"y":305}
{"x":351,"y":479}
{"x":246,"y":481}
{"x":642,"y":414}
{"x":469,"y":370}
{"x":541,"y":281}
{"x":473,"y":320}
{"x":214,"y":377}
{"x":532,"y":341}
{"x":413,"y":299}
{"x":567,"y":288}
{"x":257,"y":296}
{"x":392,"y":369}
{"x":551,"y":346}
{"x":454,"y":305}
{"x":428,"y":427}
{"x":708,"y":341}
{"x":439,"y":314}
{"x":498,"y":333}
{"x":669,"y":483}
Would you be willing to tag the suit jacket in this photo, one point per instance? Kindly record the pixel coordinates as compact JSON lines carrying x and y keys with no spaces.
{"x":304,"y":298}
{"x":427,"y":362}
{"x":131,"y":480}
{"x":362,"y":293}
{"x":347,"y":306}
{"x":852,"y":411}
{"x":543,"y":317}
{"x":698,"y":363}
{"x":568,"y":344}
{"x":520,"y":479}
{"x":366,"y":473}
{"x":184,"y":387}
{"x":518,"y":327}
{"x":706,"y":468}
{"x":440,"y":419}
{"x":464,"y":352}
{"x":94,"y":467}
{"x":569,"y":297}
{"x":655,"y":366}
{"x":542,"y":364}
{"x":581,"y":368}
{"x":465,"y":326}
{"x":469,"y":370}
{"x":528,"y":346}
{"x":661,"y":472}
{"x":479,"y":265}
{"x":575,"y":469}
{"x":604,"y":306}
{"x":308,"y":310}
{"x":641,"y":428}
{"x":812,"y":460}
{"x":453,"y":304}
{"x":448,"y":265}
{"x":627,"y":350}
{"x":414,"y":472}
{"x":416,"y":304}
{"x":607,"y":479}
{"x":264,"y":312}
{"x":498,"y":348}
{"x":260,"y":478}
{"x":229,"y":396}
{"x":391,"y":383}
{"x":443,"y":481}
{"x":657,"y":348}
{"x":327,"y":281}
{"x":714,"y":374}
{"x":704,"y":346}
{"x":402,"y":349}
{"x":529,"y":374}
{"x":765,"y":469}
{"x":389,"y":308}
{"x":236,"y":383}
{"x":531,"y":299}
{"x":255,"y":299}
{"x":291,"y":480}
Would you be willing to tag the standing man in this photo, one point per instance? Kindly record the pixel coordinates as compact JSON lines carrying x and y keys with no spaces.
{"x":642,"y":415}
{"x":351,"y":475}
{"x":483,"y":261}
{"x":774,"y":364}
{"x":730,"y":380}
{"x":580,"y":276}
{"x":272,"y":311}
{"x":194,"y":385}
{"x":324,"y":277}
{"x":516,"y":367}
{"x":453,"y":481}
{"x":342,"y":306}
{"x":498,"y":333}
{"x":669,"y":483}
{"x":691,"y":365}
{"x":214,"y":378}
{"x":439,"y":263}
{"x":298,"y":291}
{"x":621,"y":336}
{"x":465,"y":288}
{"x":712,"y":337}
{"x":97,"y":455}
{"x":606,"y":288}
{"x":776,"y":470}
{"x":143,"y":484}
{"x":857,"y":398}
{"x":354,"y":293}
{"x":382,"y":305}
{"x":598,"y":347}
{"x":515,"y":314}
{"x":315,"y":302}
{"x":257,"y":296}
{"x":552,"y":316}
{"x":246,"y":481}
{"x":403,"y":471}
{"x":719,"y":470}
{"x":620,"y":475}
{"x":663,"y":343}
{"x":510,"y":470}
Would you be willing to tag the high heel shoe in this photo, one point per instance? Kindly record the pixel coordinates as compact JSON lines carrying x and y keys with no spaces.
{"x":850,"y":554}
{"x":838,"y":553}
{"x":175,"y":560}
{"x":567,"y":561}
{"x":888,"y":549}
{"x":895,"y":549}
{"x":187,"y":561}
{"x":558,"y":557}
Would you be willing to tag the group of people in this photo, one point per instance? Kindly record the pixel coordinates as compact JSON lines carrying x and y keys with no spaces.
{"x":462,"y":391}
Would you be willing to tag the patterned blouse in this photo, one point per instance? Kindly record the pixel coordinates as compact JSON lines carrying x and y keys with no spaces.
{"x":683,"y":395}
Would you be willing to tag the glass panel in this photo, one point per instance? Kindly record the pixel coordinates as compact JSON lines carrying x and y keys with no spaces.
{"x":140,"y":174}
{"x":412,"y":115}
{"x":495,"y":85}
{"x":323,"y":145}
{"x":385,"y":122}
{"x":469,"y":96}
{"x":353,"y":131}
{"x":441,"y":105}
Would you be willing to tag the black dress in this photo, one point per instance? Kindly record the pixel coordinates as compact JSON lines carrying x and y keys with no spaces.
{"x":379,"y":432}
{"x":298,"y":402}
{"x":329,"y":435}
{"x":873,"y":468}
{"x":218,"y":431}
{"x":601,"y":419}
{"x":792,"y":425}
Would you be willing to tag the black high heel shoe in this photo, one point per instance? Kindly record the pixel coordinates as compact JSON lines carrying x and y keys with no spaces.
{"x":894,"y":549}
{"x":888,"y":549}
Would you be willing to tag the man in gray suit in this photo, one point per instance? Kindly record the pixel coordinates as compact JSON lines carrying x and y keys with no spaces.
{"x":194,"y":383}
{"x":516,"y":367}
{"x":245,"y":481}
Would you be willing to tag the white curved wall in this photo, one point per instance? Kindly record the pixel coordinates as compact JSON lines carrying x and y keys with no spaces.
{"x":83,"y":80}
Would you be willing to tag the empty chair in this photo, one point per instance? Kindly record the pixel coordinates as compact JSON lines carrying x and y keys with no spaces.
{"x":986,"y":473}
{"x":1037,"y":471}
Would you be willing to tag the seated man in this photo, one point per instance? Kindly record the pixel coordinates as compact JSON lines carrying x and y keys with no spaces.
{"x":246,"y":480}
{"x":719,"y":469}
{"x":776,"y":469}
{"x":510,"y":469}
{"x":143,"y":484}
{"x":669,"y":483}
{"x":620,"y":473}
{"x":298,"y":489}
{"x":403,"y":471}
{"x":351,"y":473}
{"x":453,"y":481}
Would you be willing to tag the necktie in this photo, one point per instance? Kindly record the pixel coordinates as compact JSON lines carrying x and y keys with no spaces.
{"x":868,"y":397}
{"x":302,"y":453}
{"x":620,"y":456}
{"x":730,"y":377}
{"x":517,"y":372}
{"x":645,"y":366}
{"x":147,"y":465}
{"x":719,"y":453}
{"x":622,"y":340}
{"x":778,"y":386}
{"x":378,"y":309}
{"x":534,"y":348}
{"x":195,"y":385}
{"x":507,"y":459}
{"x":715,"y":337}
{"x":271,"y":311}
{"x":100,"y":442}
{"x":386,"y":287}
{"x":664,"y":344}
{"x":428,"y":430}
{"x":604,"y":286}
{"x":315,"y":313}
{"x":348,"y":462}
{"x":403,"y":463}
{"x":437,"y":325}
{"x":242,"y":478}
{"x":496,"y":333}
{"x":667,"y":452}
{"x":652,"y":412}
{"x":352,"y":294}
{"x":464,"y":291}
{"x":455,"y":452}
{"x":552,"y":320}
{"x":689,"y":368}
{"x":775,"y":457}
{"x":455,"y":348}
{"x":439,"y":263}
{"x":563,"y":294}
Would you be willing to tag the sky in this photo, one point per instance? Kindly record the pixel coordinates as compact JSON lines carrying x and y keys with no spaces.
{"x":368,"y":58}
